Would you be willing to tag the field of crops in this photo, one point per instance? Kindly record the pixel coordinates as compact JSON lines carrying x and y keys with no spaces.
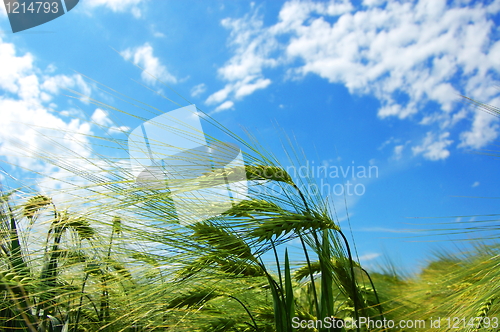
{"x":113,"y":254}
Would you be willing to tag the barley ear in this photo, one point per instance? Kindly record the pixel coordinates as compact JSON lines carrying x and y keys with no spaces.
{"x":82,"y":228}
{"x":117,"y":225}
{"x":253,"y":207}
{"x":482,"y":313}
{"x":34,"y":204}
{"x":271,"y":173}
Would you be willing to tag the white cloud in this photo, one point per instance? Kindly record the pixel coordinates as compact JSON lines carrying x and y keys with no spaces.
{"x":118,"y":130}
{"x":73,"y":112}
{"x":252,"y":44}
{"x":101,"y":117}
{"x":484,"y":130}
{"x":428,"y":51}
{"x":246,"y":89}
{"x":434,"y":148}
{"x":411,"y":48}
{"x":32,"y":124}
{"x":220,"y":95}
{"x":387,"y":142}
{"x":12,"y":67}
{"x":398,"y":151}
{"x":27,"y":128}
{"x":371,"y":3}
{"x":369,"y":256}
{"x":198,"y":90}
{"x":53,"y":84}
{"x":143,"y":57}
{"x":224,"y":106}
{"x":475,"y":184}
{"x":117,"y":5}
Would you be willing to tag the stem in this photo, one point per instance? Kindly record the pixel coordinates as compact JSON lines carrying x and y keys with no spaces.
{"x":17,"y":261}
{"x":16,"y":255}
{"x":277,"y":297}
{"x":305,"y":252}
{"x":81,"y":303}
{"x":277,"y":263}
{"x":23,"y":311}
{"x":355,"y":298}
{"x":110,"y":244}
{"x":353,"y":285}
{"x":376,"y":295}
{"x":246,"y":309}
{"x":104,"y":312}
{"x":310,"y":274}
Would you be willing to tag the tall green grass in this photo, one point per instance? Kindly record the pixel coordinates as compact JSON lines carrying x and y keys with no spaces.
{"x":118,"y":259}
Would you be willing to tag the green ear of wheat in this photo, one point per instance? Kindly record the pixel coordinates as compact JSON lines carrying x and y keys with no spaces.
{"x":34,"y":204}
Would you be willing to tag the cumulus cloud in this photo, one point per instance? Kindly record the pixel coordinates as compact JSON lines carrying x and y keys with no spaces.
{"x":13,"y":68}
{"x":410,"y":55}
{"x":369,"y":256}
{"x":398,"y":151}
{"x":198,"y":90}
{"x":153,"y":69}
{"x":434,"y":148}
{"x":219,"y":96}
{"x":27,"y":128}
{"x":224,"y":106}
{"x":28,"y":124}
{"x":484,"y":130}
{"x":38,"y":135}
{"x":32,"y":123}
{"x":101,"y":117}
{"x":411,"y":48}
{"x":370,"y":3}
{"x":118,"y":130}
{"x":53,"y":84}
{"x":252,"y":44}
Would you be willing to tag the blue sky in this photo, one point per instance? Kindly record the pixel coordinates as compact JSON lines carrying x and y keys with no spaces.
{"x":364,"y":83}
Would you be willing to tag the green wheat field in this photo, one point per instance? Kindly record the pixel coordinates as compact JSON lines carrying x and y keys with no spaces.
{"x":105,"y":253}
